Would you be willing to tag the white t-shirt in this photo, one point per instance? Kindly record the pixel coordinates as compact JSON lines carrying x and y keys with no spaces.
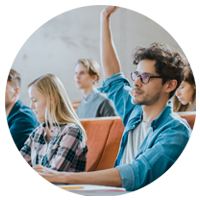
{"x":135,"y":139}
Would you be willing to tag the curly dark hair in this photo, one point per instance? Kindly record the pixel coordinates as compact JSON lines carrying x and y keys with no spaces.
{"x":169,"y":64}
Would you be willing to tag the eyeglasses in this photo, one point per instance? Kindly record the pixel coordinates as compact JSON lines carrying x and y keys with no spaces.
{"x":145,"y":78}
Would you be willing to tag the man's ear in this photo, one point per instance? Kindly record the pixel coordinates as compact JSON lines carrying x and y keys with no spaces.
{"x":170,"y":85}
{"x":17,"y":91}
{"x":94,"y":78}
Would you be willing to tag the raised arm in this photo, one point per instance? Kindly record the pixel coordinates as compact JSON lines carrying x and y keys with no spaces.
{"x":109,"y":58}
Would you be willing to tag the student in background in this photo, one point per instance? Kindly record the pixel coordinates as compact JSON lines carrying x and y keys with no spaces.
{"x":21,"y":119}
{"x":185,"y":96}
{"x":59,"y":142}
{"x":94,"y":103}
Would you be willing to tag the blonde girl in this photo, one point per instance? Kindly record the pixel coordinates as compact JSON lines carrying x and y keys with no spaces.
{"x":59,"y":142}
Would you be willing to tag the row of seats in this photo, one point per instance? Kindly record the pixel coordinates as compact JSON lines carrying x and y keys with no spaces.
{"x":104,"y":136}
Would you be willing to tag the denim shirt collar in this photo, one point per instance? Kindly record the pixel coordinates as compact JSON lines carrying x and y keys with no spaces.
{"x":136,"y":119}
{"x":165,"y":112}
{"x":156,"y":122}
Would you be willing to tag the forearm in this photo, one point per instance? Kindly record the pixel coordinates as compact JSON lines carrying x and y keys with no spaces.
{"x":109,"y":58}
{"x":109,"y":177}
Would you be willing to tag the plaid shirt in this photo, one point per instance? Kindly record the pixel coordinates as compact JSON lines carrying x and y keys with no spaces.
{"x":66,"y":151}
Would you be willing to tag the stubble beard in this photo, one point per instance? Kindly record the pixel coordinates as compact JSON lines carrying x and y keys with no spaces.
{"x":148,"y":99}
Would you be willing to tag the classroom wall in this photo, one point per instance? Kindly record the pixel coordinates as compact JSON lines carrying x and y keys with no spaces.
{"x":56,"y":46}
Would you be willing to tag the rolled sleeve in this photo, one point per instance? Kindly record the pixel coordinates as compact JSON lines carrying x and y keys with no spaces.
{"x":155,"y":161}
{"x":127,"y":176}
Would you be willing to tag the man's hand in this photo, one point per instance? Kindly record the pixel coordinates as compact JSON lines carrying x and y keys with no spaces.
{"x":109,"y":177}
{"x":109,"y":58}
{"x":50,"y":175}
{"x":108,"y":11}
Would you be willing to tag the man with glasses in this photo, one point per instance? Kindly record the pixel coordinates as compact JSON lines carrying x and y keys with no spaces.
{"x":20,"y":120}
{"x":154,"y":136}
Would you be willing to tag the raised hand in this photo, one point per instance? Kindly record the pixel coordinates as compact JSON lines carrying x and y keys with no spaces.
{"x":109,"y":10}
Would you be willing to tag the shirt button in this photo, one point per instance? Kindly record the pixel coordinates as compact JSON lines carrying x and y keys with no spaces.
{"x":133,"y":126}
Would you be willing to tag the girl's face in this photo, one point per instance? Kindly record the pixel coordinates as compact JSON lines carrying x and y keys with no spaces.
{"x":38,"y":103}
{"x":82,"y":78}
{"x":185,"y":92}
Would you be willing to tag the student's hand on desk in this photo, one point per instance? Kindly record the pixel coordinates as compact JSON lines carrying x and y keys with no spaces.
{"x":109,"y":10}
{"x":50,"y":175}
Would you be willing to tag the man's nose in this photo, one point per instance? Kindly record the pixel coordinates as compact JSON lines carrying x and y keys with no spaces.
{"x":137,"y":82}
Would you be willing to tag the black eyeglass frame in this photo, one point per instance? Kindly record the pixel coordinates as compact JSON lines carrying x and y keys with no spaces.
{"x":141,"y":79}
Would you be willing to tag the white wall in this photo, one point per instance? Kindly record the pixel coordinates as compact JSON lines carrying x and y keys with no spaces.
{"x":59,"y":43}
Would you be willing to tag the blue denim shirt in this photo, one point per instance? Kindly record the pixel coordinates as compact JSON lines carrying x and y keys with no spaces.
{"x":162,"y":146}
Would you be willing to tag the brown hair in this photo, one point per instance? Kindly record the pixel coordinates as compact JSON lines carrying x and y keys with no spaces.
{"x":92,"y":66}
{"x":15,"y":78}
{"x":177,"y":105}
{"x":169,"y":63}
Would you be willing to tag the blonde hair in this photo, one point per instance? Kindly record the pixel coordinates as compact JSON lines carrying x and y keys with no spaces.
{"x":92,"y":66}
{"x":59,"y":109}
{"x":15,"y":78}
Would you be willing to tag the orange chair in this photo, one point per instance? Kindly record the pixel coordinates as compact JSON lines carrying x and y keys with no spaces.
{"x":104,"y":136}
{"x":190,"y":119}
{"x":112,"y":145}
{"x":97,"y":133}
{"x":75,"y":104}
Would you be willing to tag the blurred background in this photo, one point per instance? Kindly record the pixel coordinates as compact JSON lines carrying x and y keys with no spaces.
{"x":56,"y":46}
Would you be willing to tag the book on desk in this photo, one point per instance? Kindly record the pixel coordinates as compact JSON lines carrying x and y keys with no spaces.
{"x":93,"y":190}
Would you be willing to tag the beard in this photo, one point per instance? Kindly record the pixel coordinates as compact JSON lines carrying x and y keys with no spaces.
{"x":147,"y":99}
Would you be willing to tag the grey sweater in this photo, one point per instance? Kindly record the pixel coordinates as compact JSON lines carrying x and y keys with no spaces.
{"x":95,"y":105}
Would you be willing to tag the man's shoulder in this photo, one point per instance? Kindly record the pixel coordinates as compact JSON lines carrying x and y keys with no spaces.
{"x":101,"y":97}
{"x":173,"y":120}
{"x":25,"y":109}
{"x":178,"y":119}
{"x":24,"y":112}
